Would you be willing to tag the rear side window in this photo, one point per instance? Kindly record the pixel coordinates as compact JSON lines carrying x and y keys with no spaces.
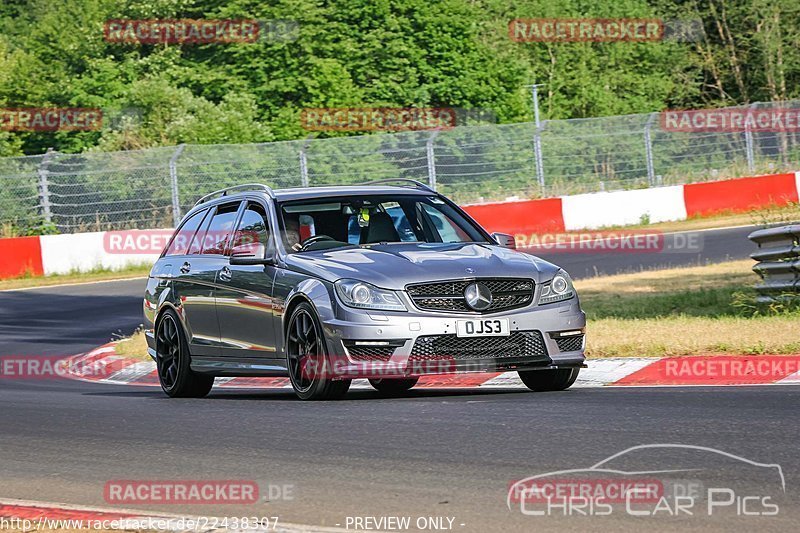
{"x":182,"y":237}
{"x":197,"y":243}
{"x":220,"y":229}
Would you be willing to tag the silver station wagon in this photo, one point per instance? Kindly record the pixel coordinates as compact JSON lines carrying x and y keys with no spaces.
{"x":388,"y":281}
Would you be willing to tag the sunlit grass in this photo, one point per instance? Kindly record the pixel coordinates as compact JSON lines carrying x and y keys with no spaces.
{"x":684,"y":311}
{"x":134,"y":346}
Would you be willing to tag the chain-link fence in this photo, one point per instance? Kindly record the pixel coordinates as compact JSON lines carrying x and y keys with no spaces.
{"x":152,"y":188}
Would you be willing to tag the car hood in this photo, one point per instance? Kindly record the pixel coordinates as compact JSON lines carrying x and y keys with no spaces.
{"x":393,"y":266}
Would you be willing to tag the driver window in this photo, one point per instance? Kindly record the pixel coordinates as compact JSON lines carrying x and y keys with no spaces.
{"x":326,"y":222}
{"x":293,"y":237}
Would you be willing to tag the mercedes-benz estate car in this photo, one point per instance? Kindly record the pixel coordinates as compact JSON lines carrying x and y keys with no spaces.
{"x":388,"y":281}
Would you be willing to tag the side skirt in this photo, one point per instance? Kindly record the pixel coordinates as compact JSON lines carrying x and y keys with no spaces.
{"x":239,"y":367}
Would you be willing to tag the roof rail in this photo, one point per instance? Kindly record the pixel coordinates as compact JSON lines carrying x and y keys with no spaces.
{"x":243,"y":187}
{"x":406,"y":181}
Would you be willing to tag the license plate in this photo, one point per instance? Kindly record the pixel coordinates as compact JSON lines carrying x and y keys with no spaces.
{"x":486,"y":327}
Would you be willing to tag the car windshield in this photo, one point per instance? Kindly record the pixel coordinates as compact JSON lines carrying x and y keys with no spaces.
{"x":323,"y":223}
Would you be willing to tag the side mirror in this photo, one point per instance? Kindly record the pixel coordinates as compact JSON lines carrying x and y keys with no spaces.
{"x":505,"y":240}
{"x":242,"y":259}
{"x":250,"y":254}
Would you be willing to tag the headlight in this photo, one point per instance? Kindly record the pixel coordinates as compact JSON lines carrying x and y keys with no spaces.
{"x":365,"y":296}
{"x":559,"y":289}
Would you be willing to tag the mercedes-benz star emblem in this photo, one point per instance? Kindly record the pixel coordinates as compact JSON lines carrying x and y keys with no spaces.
{"x":478,"y":296}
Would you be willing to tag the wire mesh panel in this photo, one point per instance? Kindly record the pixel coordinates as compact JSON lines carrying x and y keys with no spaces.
{"x":778,"y":150}
{"x":587,"y":155}
{"x":683,"y":157}
{"x":152,"y":188}
{"x":350,"y":160}
{"x":201,"y":169}
{"x":114,"y":190}
{"x":20,"y":200}
{"x":486,"y":163}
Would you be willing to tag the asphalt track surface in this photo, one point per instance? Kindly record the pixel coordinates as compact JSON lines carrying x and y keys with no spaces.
{"x":429,"y":453}
{"x":71,"y":319}
{"x":670,"y":250}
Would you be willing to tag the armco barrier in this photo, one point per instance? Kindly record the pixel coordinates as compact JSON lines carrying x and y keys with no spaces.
{"x":778,"y":257}
{"x":60,"y":254}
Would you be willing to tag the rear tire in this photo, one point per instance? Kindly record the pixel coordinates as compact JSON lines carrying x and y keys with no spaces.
{"x":549,"y":380}
{"x":307,"y":360}
{"x":173,"y":361}
{"x":392,"y":385}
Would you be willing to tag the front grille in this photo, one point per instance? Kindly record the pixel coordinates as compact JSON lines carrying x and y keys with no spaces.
{"x":570,"y":344}
{"x":507,"y":293}
{"x":445,"y":347}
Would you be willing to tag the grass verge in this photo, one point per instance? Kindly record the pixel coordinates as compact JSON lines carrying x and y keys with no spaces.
{"x":684,"y":311}
{"x":134,"y":346}
{"x":99,"y":274}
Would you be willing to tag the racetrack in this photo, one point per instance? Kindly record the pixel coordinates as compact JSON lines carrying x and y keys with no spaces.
{"x":68,"y":319}
{"x":708,"y":246}
{"x":71,"y":319}
{"x":431,"y":453}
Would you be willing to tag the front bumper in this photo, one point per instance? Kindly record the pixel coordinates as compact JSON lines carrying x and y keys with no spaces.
{"x":352,"y":334}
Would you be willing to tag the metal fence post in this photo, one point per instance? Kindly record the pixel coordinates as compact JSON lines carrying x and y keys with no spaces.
{"x":748,"y":144}
{"x":173,"y":176}
{"x":537,"y":149}
{"x":537,"y":138}
{"x":304,"y":182}
{"x":431,"y":156}
{"x":648,"y":147}
{"x":44,"y":190}
{"x":303,"y":166}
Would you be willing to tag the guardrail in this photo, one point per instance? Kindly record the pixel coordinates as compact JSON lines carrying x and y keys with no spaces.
{"x":778,"y":257}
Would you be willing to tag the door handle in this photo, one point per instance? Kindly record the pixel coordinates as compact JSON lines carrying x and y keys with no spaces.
{"x":225,"y":274}
{"x":185,"y":268}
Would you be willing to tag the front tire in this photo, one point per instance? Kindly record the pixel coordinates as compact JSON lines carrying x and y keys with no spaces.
{"x":549,"y":380}
{"x":392,"y":385}
{"x":307,"y":360}
{"x":173,"y":361}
